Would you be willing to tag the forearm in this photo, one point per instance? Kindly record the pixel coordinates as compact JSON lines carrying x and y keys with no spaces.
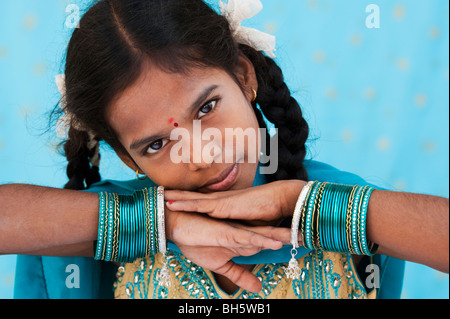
{"x":39,"y":219}
{"x":409,"y":226}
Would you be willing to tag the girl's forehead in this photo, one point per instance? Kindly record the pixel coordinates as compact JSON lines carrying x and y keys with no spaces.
{"x":157,"y":88}
{"x":157,"y":96}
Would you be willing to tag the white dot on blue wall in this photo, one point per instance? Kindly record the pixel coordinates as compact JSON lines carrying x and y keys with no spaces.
{"x":3,"y":52}
{"x":347,"y":136}
{"x":383,"y":144}
{"x":29,"y":21}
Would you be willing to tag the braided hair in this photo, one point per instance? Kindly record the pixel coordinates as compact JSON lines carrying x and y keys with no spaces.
{"x":106,"y":54}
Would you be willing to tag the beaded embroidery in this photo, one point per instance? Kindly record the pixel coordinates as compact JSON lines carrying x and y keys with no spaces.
{"x":323,"y":275}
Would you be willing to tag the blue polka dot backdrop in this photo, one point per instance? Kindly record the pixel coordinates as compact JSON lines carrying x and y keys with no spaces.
{"x":372,"y":78}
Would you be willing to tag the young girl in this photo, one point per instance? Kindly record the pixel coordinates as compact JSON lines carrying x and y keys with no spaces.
{"x":135,"y":71}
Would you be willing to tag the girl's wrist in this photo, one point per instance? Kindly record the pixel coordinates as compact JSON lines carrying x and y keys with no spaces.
{"x":171,"y":220}
{"x":290,"y":192}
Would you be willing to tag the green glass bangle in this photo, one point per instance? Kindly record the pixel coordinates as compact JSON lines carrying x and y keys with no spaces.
{"x":345,"y":196}
{"x":114,"y":233}
{"x":304,"y":213}
{"x":155,"y":248}
{"x":123,"y":229}
{"x":141,"y":226}
{"x":360,"y":208}
{"x":335,"y":207}
{"x":101,"y":226}
{"x":354,"y":226}
{"x":334,"y":218}
{"x":311,"y":202}
{"x":335,"y":224}
{"x":321,"y":221}
{"x":364,"y":242}
{"x":348,"y":219}
{"x":110,"y":220}
{"x":127,"y":226}
{"x":317,"y":240}
{"x":327,"y":218}
{"x":135,"y":233}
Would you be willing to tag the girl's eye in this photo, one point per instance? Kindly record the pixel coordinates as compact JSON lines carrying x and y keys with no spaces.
{"x":156,"y":146}
{"x":207,"y":108}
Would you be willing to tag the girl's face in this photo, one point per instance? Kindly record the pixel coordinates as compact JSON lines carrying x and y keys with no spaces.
{"x":144,"y":115}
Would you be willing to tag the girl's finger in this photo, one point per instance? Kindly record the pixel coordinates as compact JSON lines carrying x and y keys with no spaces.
{"x":249,"y":239}
{"x":240,"y":277}
{"x":221,"y":208}
{"x":281,"y":234}
{"x":207,"y":206}
{"x":174,"y":195}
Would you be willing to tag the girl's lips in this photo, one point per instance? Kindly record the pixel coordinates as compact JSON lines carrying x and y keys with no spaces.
{"x":228,"y":180}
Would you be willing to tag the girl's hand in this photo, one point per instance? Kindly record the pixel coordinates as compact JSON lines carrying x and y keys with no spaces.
{"x":212,"y":244}
{"x":269,"y":203}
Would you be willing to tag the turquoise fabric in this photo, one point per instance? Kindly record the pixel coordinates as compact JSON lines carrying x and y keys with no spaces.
{"x":45,"y":277}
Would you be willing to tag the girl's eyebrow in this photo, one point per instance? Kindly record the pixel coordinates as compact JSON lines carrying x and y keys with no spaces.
{"x":144,"y":141}
{"x":200,"y":99}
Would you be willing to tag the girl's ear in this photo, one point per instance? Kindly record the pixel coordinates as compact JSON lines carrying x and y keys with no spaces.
{"x":246,"y":75}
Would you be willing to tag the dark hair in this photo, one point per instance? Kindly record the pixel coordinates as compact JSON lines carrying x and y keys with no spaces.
{"x":106,"y":53}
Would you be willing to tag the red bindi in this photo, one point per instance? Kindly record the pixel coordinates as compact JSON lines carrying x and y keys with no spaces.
{"x":176,"y":124}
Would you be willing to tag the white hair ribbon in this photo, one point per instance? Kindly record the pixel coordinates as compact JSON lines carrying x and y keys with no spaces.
{"x":64,"y":121}
{"x":68,"y":118}
{"x":236,"y":11}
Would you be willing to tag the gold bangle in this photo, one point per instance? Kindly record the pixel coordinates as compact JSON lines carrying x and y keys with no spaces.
{"x":348,"y":223}
{"x":317,"y":212}
{"x":116,"y":227}
{"x":304,"y":210}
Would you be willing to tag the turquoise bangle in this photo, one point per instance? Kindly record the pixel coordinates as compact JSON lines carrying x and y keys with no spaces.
{"x":140,"y":226}
{"x":308,"y":221}
{"x":326,"y":221}
{"x":101,"y":226}
{"x":345,"y":196}
{"x":155,"y":247}
{"x":337,"y":211}
{"x":364,"y":242}
{"x":110,"y":220}
{"x":354,"y":225}
{"x":135,"y":234}
{"x":304,"y":213}
{"x":322,"y":220}
{"x":330,"y":221}
{"x":127,"y":226}
{"x":123,"y":229}
{"x":337,"y":218}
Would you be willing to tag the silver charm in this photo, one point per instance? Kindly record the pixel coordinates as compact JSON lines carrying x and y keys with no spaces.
{"x":293,"y":270}
{"x":164,"y":275}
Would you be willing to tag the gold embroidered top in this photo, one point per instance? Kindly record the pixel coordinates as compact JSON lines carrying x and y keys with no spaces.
{"x":323,"y":275}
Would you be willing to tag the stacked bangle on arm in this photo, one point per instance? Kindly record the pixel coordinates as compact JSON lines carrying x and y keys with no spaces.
{"x":331,"y":217}
{"x":130,"y":226}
